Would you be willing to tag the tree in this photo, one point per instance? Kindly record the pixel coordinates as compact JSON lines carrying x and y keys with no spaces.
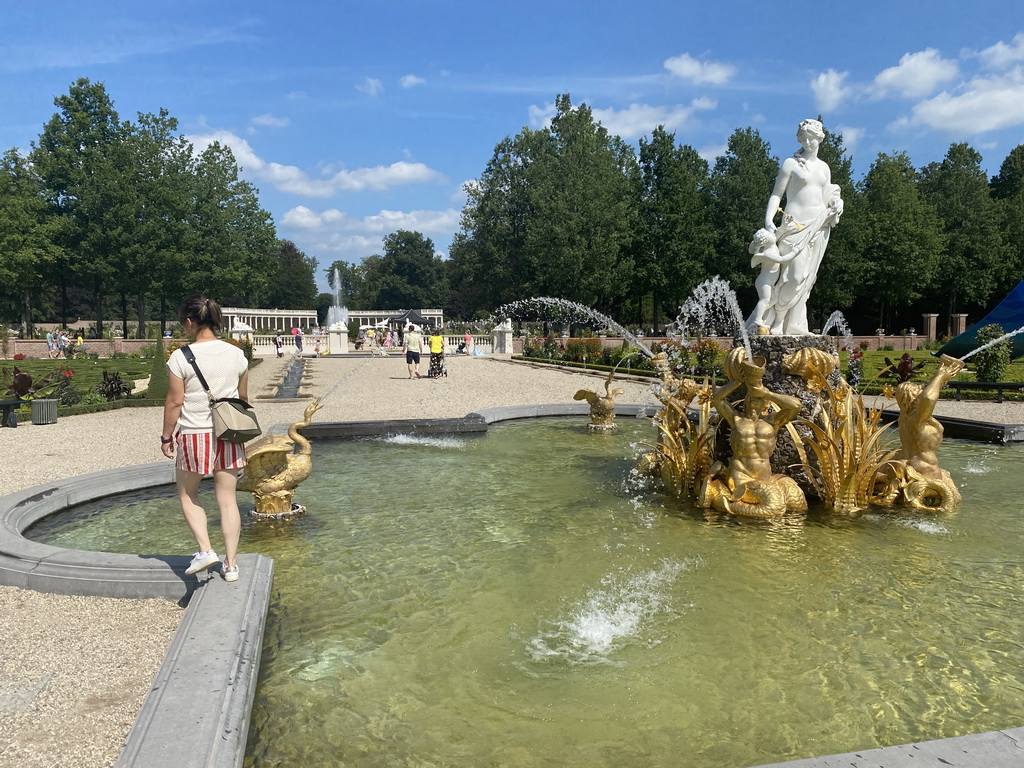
{"x":411,"y":275}
{"x":293,"y":284}
{"x":971,"y":263}
{"x":1008,"y":192}
{"x":741,"y":183}
{"x":26,"y":236}
{"x":582,"y":209}
{"x":74,"y":160}
{"x":674,"y":241}
{"x":902,"y":235}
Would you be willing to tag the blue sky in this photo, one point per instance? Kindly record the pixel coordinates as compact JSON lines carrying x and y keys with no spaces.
{"x":357,"y":119}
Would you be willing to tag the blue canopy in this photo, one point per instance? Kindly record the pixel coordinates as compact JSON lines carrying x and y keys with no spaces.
{"x":1009,"y":313}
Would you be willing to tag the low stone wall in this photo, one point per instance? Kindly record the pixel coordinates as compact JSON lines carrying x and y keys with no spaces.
{"x":102,"y":347}
{"x":902,"y":343}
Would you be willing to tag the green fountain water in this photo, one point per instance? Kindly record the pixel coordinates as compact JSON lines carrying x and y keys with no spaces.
{"x":515,"y":599}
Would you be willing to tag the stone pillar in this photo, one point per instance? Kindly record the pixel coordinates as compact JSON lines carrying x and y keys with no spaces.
{"x":502,"y":339}
{"x":337,"y":339}
{"x":930,"y":326}
{"x":959,"y":324}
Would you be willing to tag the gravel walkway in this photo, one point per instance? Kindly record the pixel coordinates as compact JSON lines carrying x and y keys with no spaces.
{"x":75,"y":670}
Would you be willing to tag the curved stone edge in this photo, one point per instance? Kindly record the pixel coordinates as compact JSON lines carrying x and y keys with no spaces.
{"x":510,"y":412}
{"x":995,"y":749}
{"x":44,"y":568}
{"x":198,"y":708}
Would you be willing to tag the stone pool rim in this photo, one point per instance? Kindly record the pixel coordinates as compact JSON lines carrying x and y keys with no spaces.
{"x":218,"y":644}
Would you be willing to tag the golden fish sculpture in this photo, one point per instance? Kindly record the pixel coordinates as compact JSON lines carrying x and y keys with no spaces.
{"x":275,"y":469}
{"x":602,"y":409}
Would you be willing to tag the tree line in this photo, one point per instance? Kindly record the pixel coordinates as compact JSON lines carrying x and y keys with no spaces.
{"x":107,"y":217}
{"x":119,"y":219}
{"x":572,"y":211}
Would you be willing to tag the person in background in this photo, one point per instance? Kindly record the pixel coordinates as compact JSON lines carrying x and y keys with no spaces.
{"x":279,"y":345}
{"x":436,"y":342}
{"x":187,"y":434}
{"x":468,"y":339}
{"x":413,"y":348}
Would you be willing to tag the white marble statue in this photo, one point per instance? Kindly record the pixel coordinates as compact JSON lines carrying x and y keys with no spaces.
{"x":789,"y":266}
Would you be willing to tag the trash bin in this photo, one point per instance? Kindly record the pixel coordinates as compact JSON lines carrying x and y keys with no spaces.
{"x":44,"y":411}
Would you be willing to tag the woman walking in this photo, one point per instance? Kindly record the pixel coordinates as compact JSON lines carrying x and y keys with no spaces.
{"x":188,"y":430}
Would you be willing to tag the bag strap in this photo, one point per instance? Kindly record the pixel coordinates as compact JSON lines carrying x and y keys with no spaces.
{"x":191,"y":358}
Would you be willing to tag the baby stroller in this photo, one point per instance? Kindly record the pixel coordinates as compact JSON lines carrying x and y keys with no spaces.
{"x":461,"y":348}
{"x":438,"y":367}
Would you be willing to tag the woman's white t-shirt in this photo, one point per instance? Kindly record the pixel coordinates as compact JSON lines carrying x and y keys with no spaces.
{"x":222,"y":364}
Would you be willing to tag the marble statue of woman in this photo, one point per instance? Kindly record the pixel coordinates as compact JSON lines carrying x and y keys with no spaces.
{"x":813,"y":207}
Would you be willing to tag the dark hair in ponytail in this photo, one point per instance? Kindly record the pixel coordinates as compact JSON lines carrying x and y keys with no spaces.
{"x":202,"y":311}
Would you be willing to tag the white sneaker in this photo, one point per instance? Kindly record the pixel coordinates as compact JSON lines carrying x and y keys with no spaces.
{"x":230,"y":572}
{"x":201,"y":561}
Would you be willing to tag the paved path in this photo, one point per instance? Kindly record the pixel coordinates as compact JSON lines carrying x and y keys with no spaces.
{"x":74,"y":670}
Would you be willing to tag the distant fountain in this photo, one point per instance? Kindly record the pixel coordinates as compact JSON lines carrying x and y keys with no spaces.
{"x":337,"y":313}
{"x":712,"y":307}
{"x":337,"y":321}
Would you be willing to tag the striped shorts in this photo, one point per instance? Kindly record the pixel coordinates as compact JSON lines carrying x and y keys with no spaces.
{"x":196,"y":453}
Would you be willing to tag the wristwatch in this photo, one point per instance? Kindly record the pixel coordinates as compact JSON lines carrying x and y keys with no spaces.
{"x":166,"y":440}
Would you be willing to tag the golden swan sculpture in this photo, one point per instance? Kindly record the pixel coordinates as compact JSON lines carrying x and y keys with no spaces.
{"x":275,"y":470}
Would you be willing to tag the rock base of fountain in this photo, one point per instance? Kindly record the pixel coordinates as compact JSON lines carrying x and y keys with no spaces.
{"x":785,"y":459}
{"x":602,"y":428}
{"x":296,"y":510}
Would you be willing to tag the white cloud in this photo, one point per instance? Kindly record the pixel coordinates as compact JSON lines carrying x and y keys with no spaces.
{"x":540,"y":117}
{"x":697,"y":71}
{"x":293,"y":180}
{"x":410,"y":80}
{"x":639,"y":119}
{"x":1001,"y":55}
{"x":713,"y":151}
{"x":984,"y":104}
{"x":829,"y":91}
{"x":371,"y":85}
{"x":851,"y":136}
{"x":335,"y":232}
{"x":271,"y":121}
{"x":917,"y":75}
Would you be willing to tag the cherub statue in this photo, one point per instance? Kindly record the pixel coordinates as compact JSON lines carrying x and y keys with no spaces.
{"x":914,"y":478}
{"x":747,"y":486}
{"x":765,"y":254}
{"x":602,"y":409}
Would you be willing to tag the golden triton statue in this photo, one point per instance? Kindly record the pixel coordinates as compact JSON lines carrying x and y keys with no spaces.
{"x":747,"y":486}
{"x":914,"y":478}
{"x":274,"y":469}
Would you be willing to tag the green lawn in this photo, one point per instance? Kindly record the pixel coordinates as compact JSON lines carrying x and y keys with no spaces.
{"x":88,"y":373}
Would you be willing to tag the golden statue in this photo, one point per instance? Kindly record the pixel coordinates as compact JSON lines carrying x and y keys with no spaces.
{"x":747,"y":486}
{"x":602,"y":409}
{"x":845,"y":438}
{"x":913,"y":478}
{"x":274,"y":470}
{"x":682,"y":457}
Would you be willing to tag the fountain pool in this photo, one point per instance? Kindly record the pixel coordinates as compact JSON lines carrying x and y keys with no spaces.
{"x":527,"y":604}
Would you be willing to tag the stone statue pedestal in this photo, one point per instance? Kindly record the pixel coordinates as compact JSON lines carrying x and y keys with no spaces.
{"x":337,"y":340}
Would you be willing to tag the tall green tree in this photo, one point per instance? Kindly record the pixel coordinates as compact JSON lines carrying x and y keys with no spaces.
{"x":902,"y":236}
{"x":741,"y":183}
{"x":1008,"y":191}
{"x":75,"y":158}
{"x":411,"y":275}
{"x":674,"y":241}
{"x":971,"y":262}
{"x":582,"y":209}
{"x":293,"y":285}
{"x":26,"y":236}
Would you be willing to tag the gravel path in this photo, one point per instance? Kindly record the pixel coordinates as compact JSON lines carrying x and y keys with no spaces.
{"x":75,"y":670}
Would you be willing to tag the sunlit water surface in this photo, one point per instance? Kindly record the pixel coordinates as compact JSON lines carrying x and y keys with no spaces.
{"x":516,"y":599}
